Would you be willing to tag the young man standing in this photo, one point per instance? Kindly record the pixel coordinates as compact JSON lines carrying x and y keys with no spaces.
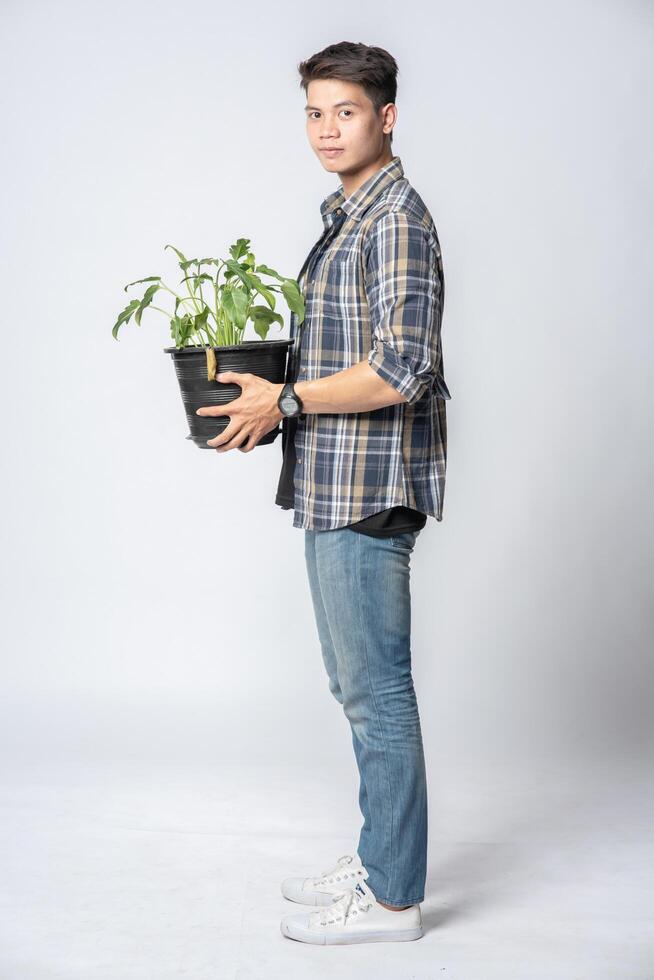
{"x":364,"y":444}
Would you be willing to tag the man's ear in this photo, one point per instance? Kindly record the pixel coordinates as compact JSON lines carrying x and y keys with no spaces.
{"x":388,"y":116}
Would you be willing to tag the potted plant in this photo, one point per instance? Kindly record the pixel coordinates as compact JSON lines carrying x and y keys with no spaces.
{"x":208,"y":331}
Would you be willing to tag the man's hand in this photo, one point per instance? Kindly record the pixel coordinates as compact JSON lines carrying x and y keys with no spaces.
{"x":252,"y":414}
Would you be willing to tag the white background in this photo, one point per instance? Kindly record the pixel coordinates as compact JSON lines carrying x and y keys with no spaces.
{"x":170,"y":747}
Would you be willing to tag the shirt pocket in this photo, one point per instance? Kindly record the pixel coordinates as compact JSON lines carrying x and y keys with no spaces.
{"x":344,"y":315}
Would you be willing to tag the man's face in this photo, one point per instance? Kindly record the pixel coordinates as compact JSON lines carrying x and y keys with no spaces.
{"x":340,"y":114}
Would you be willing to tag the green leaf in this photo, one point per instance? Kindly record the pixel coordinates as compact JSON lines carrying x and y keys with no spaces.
{"x":236,"y":269}
{"x":187,"y":264}
{"x":267,"y":271}
{"x":147,"y":279}
{"x":199,"y":278}
{"x":145,"y":302}
{"x":235,"y":302}
{"x":289,"y":287}
{"x":180,"y":255}
{"x":239,"y":248}
{"x":200,"y":319}
{"x":124,"y":317}
{"x":262,"y":317}
{"x":255,"y":283}
{"x":294,"y":298}
{"x":182,"y":328}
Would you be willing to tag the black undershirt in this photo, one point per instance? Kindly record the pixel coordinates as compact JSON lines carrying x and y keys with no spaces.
{"x":383,"y":524}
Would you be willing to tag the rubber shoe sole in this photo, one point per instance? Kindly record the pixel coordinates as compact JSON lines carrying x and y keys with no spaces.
{"x":295,"y":927}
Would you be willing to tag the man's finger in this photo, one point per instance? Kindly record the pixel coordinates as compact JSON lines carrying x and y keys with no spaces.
{"x":250,"y":445}
{"x":224,"y":436}
{"x":235,"y":443}
{"x":230,"y":438}
{"x":217,"y":409}
{"x":237,"y":376}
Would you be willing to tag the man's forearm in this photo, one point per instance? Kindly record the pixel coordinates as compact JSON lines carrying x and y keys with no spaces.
{"x":356,"y":389}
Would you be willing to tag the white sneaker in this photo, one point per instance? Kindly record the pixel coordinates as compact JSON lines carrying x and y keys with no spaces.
{"x":355,"y":916}
{"x":322,"y":889}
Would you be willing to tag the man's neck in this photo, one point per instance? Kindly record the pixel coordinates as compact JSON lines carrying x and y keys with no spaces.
{"x":352,"y":181}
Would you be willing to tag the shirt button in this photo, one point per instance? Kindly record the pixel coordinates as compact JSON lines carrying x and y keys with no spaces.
{"x":299,"y":459}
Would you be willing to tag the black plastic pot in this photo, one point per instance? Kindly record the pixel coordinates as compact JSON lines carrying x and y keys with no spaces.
{"x":265,"y":358}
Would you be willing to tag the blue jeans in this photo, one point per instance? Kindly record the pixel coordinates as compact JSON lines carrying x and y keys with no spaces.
{"x":360,"y":592}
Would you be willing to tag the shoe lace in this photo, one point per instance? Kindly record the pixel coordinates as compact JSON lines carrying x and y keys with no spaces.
{"x":344,"y":905}
{"x":332,"y":874}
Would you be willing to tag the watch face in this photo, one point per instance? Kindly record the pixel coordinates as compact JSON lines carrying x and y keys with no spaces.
{"x":288,"y":405}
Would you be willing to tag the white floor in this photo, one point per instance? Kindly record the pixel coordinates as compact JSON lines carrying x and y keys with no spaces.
{"x":121,"y":873}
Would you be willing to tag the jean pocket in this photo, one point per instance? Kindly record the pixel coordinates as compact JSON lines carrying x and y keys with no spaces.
{"x":405,"y":541}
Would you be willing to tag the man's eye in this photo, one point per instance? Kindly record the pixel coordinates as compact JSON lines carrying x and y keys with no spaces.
{"x":315,"y":112}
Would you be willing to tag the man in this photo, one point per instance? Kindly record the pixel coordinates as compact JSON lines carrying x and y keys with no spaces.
{"x":364,"y":445}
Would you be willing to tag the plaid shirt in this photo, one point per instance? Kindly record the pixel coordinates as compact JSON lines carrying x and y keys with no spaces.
{"x":373,"y":287}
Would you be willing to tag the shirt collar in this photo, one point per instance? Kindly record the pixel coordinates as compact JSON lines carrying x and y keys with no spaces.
{"x":360,"y":200}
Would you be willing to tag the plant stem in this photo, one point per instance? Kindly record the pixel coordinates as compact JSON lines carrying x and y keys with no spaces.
{"x":191,"y":293}
{"x":199,"y":283}
{"x":182,"y":299}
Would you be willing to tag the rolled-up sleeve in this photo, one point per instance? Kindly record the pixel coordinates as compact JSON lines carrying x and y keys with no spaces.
{"x":403,"y":288}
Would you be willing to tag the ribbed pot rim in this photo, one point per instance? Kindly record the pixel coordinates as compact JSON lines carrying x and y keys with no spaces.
{"x":250,"y":344}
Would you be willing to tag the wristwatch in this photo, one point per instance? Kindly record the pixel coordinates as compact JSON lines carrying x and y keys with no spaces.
{"x":290,"y":403}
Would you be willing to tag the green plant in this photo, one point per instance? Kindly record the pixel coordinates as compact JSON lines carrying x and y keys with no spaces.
{"x":200,"y":323}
